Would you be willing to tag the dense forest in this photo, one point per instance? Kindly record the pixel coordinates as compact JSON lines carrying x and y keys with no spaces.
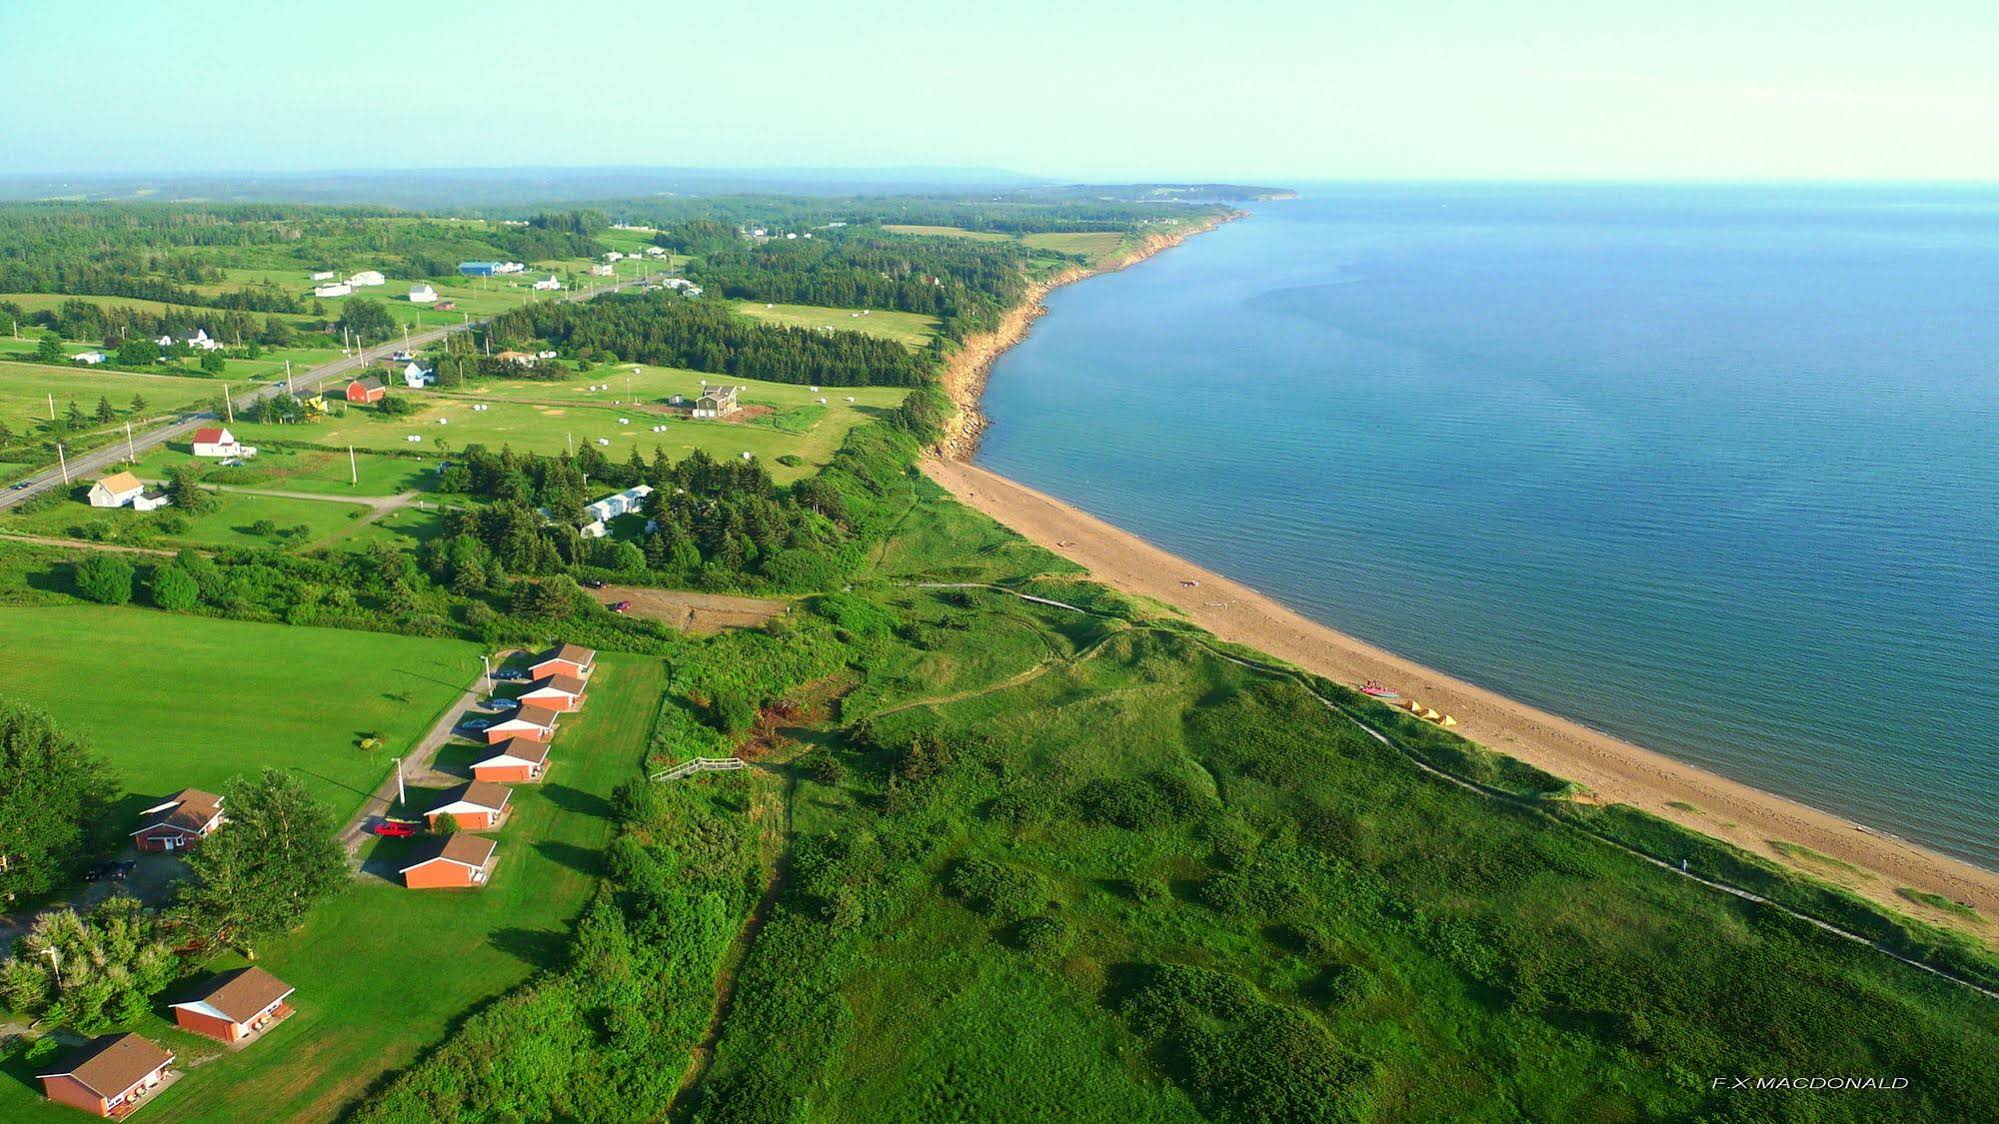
{"x":668,"y":330}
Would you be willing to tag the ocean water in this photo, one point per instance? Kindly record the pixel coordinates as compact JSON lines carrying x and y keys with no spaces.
{"x":1715,"y":470}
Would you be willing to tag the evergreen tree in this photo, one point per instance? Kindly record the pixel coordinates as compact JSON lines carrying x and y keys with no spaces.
{"x":55,"y":799}
{"x":258,"y":876}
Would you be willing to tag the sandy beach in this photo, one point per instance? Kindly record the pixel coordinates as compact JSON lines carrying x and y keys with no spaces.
{"x":1615,"y":771}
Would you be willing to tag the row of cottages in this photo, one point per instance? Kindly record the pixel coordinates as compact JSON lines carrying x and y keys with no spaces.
{"x":628,"y":502}
{"x":217,"y":441}
{"x":113,"y":1075}
{"x":122,"y":489}
{"x":178,"y":822}
{"x":519,"y":747}
{"x":365,"y":390}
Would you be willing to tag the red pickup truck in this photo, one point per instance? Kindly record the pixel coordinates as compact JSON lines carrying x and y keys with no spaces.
{"x":397,"y":829}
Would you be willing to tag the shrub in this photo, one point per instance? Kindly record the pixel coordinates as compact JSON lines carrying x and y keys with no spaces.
{"x":1042,"y":936}
{"x":1002,"y":892}
{"x":825,"y":768}
{"x":175,"y":589}
{"x":105,"y":578}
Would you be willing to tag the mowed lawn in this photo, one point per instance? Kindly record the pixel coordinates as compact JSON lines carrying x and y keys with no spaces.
{"x":235,"y":522}
{"x":323,"y":472}
{"x":912,"y":329}
{"x":553,"y":417}
{"x":174,"y":701}
{"x":1095,"y":245}
{"x":946,"y":232}
{"x":382,"y":972}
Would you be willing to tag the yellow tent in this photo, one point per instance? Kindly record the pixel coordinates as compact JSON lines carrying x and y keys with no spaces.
{"x":1449,"y":721}
{"x":1431,"y":715}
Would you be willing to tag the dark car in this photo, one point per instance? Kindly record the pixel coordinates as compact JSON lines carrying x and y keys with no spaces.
{"x":503,"y":704}
{"x":619,"y":606}
{"x":123,"y":867}
{"x":19,"y":486}
{"x":395,"y":829}
{"x":510,"y":674}
{"x":592,"y":583}
{"x":475,"y":724}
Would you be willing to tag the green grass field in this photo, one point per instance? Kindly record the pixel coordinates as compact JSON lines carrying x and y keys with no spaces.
{"x":233,"y":523}
{"x":947,"y":232}
{"x":318,"y":471}
{"x":1095,"y":245}
{"x":173,"y":701}
{"x":25,"y":389}
{"x":910,"y":328}
{"x":383,"y":972}
{"x":547,"y":417}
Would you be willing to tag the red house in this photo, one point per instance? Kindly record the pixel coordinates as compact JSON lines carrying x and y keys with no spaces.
{"x":110,"y":1076}
{"x":175,"y":824}
{"x":479,"y":806}
{"x":572,"y":660}
{"x":369,"y":389}
{"x":560,"y":693}
{"x":236,"y":1006}
{"x":459,"y":862}
{"x":514,"y":761}
{"x":536,"y":723}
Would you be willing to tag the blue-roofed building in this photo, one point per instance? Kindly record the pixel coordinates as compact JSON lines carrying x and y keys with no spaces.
{"x":478,"y":268}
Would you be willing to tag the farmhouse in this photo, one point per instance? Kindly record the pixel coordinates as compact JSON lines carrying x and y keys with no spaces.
{"x":334,"y":289}
{"x":536,"y":723}
{"x":176,"y":823}
{"x":511,"y":267}
{"x":422,"y":294}
{"x":479,"y":806}
{"x":88,"y":358}
{"x":199,"y":341}
{"x":216,"y":441}
{"x":548,"y":283}
{"x":555,"y":692}
{"x":716,"y":402}
{"x":116,"y":490}
{"x":415,"y":376}
{"x":519,"y":358}
{"x":655,"y":251}
{"x":236,"y":1006}
{"x":601,"y":271}
{"x":109,"y":1075}
{"x":572,"y":660}
{"x":514,"y":761}
{"x":478,"y":268}
{"x":460,"y":861}
{"x":366,"y":278}
{"x":369,"y":389}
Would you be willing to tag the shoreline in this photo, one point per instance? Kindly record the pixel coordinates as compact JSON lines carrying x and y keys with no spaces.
{"x":1614,"y":770}
{"x":1864,"y":861}
{"x":963,"y":378}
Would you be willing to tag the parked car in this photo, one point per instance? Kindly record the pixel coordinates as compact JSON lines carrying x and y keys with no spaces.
{"x":475,"y":724}
{"x":619,"y":606}
{"x":593,"y":583}
{"x":123,"y":867}
{"x":502,"y":704}
{"x":510,"y":674}
{"x":395,"y":829}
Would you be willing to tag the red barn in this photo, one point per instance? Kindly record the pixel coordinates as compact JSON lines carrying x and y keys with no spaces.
{"x":111,"y":1075}
{"x":236,"y":1006}
{"x":459,"y":862}
{"x":514,"y":761}
{"x":365,"y":390}
{"x":176,"y":823}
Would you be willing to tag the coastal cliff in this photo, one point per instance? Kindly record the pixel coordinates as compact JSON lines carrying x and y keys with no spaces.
{"x":965,"y":372}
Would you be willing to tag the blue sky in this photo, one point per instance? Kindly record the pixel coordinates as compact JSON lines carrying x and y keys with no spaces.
{"x":1389,"y":89}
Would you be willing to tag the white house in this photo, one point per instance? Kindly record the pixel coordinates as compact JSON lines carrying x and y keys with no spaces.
{"x":422,"y":294}
{"x":511,"y":267}
{"x":200,"y":341}
{"x":337,"y":289}
{"x":548,"y":283}
{"x":116,"y":490}
{"x":366,"y":278}
{"x":601,"y":271}
{"x":595,"y":530}
{"x":613,"y":255}
{"x":323,"y":275}
{"x":414,"y":376}
{"x":215,"y":441}
{"x":150,"y":501}
{"x":619,"y":503}
{"x":89,"y":358}
{"x":655,"y":251}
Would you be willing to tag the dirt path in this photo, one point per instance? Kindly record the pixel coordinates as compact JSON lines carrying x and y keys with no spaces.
{"x":81,"y":544}
{"x":699,"y":613}
{"x":1614,"y":770}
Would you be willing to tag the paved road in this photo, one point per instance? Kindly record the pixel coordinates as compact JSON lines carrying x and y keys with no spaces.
{"x":102,"y":458}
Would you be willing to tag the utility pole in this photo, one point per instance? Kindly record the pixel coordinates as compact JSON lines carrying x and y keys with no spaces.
{"x":353,"y":473}
{"x":488,"y":665}
{"x":64,"y":458}
{"x":401,"y":796}
{"x":288,"y":377}
{"x":52,"y":407}
{"x":131,"y":450}
{"x":55,"y":957}
{"x":229,"y":403}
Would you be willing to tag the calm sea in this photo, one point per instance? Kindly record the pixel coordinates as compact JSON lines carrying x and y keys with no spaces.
{"x":1715,"y":470}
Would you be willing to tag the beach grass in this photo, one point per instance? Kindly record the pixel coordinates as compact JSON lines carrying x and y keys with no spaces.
{"x":1805,"y":856}
{"x":1940,"y":902}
